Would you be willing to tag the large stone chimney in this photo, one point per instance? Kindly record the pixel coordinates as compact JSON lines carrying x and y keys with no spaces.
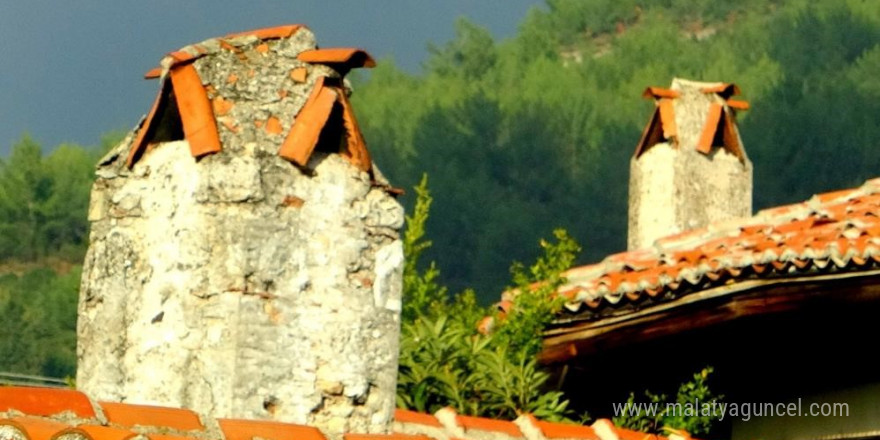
{"x":690,"y":167}
{"x":245,"y":258}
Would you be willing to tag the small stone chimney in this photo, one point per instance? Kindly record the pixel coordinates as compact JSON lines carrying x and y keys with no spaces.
{"x":690,"y":167}
{"x":244,"y":258}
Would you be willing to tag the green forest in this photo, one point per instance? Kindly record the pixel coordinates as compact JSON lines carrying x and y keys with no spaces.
{"x":519,"y":137}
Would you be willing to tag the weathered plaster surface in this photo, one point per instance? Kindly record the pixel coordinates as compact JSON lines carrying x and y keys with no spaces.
{"x":239,"y":285}
{"x":674,"y":187}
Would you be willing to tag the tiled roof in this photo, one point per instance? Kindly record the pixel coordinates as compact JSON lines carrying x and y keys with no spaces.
{"x":253,"y":86}
{"x":830,"y":233}
{"x":30,"y":413}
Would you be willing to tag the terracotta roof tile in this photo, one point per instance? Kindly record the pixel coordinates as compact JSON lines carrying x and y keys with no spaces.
{"x":660,"y":92}
{"x":484,"y":424}
{"x":41,"y":429}
{"x":45,"y":401}
{"x":838,"y":230}
{"x":303,"y":137}
{"x":406,"y":416}
{"x":349,"y":57}
{"x":129,"y":415}
{"x":724,"y":89}
{"x":199,"y":125}
{"x":153,"y":73}
{"x":667,"y":118}
{"x":284,"y":31}
{"x":235,"y":429}
{"x":709,"y":129}
{"x":170,"y":437}
{"x":561,"y":430}
{"x":394,"y":436}
{"x":48,"y":416}
{"x":98,"y":432}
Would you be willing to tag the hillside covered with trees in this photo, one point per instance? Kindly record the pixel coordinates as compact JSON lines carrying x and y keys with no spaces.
{"x":522,"y":136}
{"x":518,"y":137}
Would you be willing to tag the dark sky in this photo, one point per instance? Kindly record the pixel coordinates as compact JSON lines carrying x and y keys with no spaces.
{"x":72,"y":70}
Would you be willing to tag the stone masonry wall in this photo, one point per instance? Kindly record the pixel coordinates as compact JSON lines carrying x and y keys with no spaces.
{"x":239,"y":285}
{"x":674,"y":187}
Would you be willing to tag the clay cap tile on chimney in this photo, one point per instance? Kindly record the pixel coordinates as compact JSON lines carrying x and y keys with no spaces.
{"x":344,"y":58}
{"x":660,"y":92}
{"x":254,"y":88}
{"x":725,"y":90}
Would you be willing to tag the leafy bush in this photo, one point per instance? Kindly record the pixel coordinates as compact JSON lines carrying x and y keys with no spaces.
{"x":445,"y":361}
{"x":671,"y":414}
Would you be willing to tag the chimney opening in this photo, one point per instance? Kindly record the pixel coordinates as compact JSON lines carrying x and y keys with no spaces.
{"x":168,"y":126}
{"x":333,"y":137}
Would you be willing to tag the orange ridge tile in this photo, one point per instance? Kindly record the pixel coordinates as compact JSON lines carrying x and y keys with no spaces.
{"x":626,"y":434}
{"x":667,"y":119}
{"x":484,"y":424}
{"x":690,"y":256}
{"x":350,"y":57}
{"x":392,"y":436}
{"x":153,"y":73}
{"x":356,"y":152}
{"x":737,"y":104}
{"x":45,"y":401}
{"x":704,"y":145}
{"x":97,"y":432}
{"x":660,"y":92}
{"x":724,"y":89}
{"x":840,"y":194}
{"x":563,"y":430}
{"x":284,"y":31}
{"x":795,"y":226}
{"x":237,"y":429}
{"x":303,"y":137}
{"x":407,"y":416}
{"x":180,"y":56}
{"x":170,"y":437}
{"x":130,"y":415}
{"x":35,"y":428}
{"x":765,"y":244}
{"x":199,"y":125}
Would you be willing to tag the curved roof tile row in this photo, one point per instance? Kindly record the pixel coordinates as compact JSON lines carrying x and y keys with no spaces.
{"x":31,"y":413}
{"x":831,"y":232}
